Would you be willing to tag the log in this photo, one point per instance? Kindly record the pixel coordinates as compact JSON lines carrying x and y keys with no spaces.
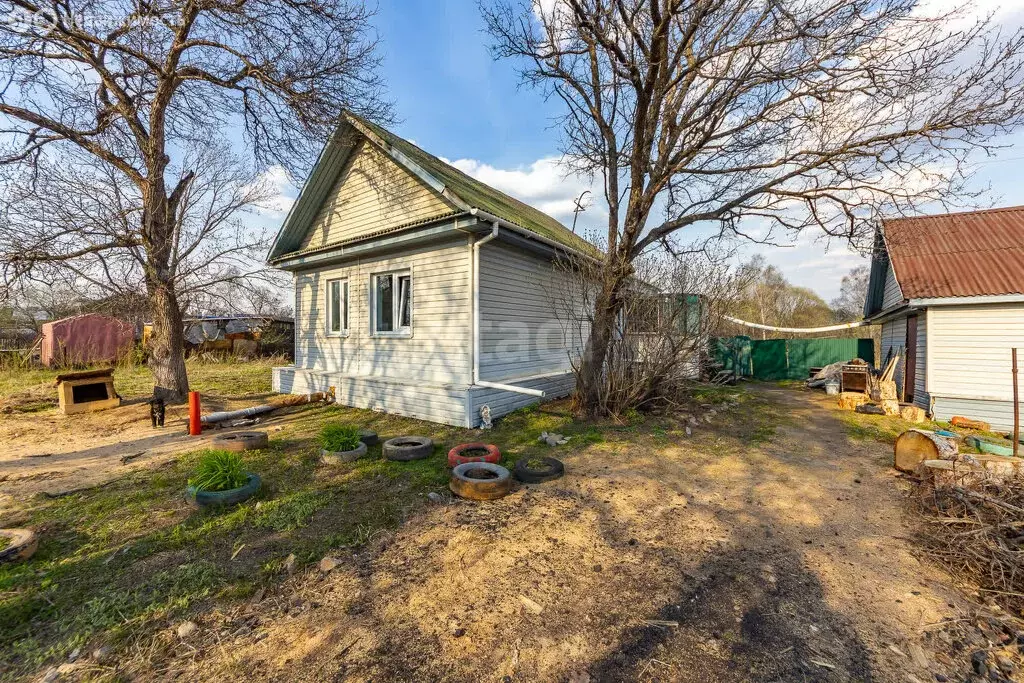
{"x":849,"y":400}
{"x":884,"y":391}
{"x":870,"y":409}
{"x":912,"y":413}
{"x":968,"y":423}
{"x":890,"y":407}
{"x":914,"y":446}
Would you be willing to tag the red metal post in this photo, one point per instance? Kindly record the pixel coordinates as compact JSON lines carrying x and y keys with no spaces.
{"x":195,"y":425}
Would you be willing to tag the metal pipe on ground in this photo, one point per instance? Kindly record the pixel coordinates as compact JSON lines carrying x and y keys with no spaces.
{"x":282,"y":402}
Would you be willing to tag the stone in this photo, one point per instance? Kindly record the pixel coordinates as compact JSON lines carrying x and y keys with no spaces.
{"x":329,"y":563}
{"x":870,"y":409}
{"x":51,"y":675}
{"x":458,"y":632}
{"x":186,"y":629}
{"x":530,"y":605}
{"x":979,"y":662}
{"x":102,"y":654}
{"x":435,"y":497}
{"x":75,"y":654}
{"x":689,"y":431}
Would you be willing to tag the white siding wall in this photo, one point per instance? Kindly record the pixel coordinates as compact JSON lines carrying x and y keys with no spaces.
{"x":438,"y":350}
{"x":892,"y":295}
{"x":372,"y":193}
{"x":894,"y":338}
{"x":523,"y":304}
{"x":970,"y":350}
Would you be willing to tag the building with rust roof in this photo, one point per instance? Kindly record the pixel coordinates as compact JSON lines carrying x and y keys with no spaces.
{"x":948,"y":291}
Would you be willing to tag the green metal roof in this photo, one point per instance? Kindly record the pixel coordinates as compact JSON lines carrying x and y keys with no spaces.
{"x":475,"y":194}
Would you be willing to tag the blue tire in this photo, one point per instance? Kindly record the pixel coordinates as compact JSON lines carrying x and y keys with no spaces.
{"x":205,"y":499}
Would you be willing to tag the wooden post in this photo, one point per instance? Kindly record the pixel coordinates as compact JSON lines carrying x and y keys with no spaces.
{"x":1016,"y":405}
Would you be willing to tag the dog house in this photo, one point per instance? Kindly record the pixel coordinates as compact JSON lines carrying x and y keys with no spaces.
{"x":87,"y":391}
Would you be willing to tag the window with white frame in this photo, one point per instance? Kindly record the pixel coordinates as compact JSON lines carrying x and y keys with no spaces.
{"x":337,"y":307}
{"x":391,"y":300}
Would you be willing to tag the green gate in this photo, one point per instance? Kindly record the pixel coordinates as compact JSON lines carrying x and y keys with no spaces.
{"x":775,"y":359}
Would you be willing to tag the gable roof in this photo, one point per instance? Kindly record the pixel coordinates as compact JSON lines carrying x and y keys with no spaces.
{"x":465,"y":192}
{"x":974,"y":253}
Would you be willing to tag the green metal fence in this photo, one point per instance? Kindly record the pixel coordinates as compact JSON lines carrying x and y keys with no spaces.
{"x":775,"y":359}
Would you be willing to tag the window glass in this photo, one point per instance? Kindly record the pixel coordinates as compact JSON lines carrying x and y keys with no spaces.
{"x":385,"y":303}
{"x":335,"y":306}
{"x":344,"y":310}
{"x":404,"y":296}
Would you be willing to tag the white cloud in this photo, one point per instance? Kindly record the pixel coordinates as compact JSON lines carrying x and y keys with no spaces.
{"x":281,"y":192}
{"x":545,"y":185}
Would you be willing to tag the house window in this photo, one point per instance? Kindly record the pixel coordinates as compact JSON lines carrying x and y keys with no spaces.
{"x":392,"y":303}
{"x":337,"y":307}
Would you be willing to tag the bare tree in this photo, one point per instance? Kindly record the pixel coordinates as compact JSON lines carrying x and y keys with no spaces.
{"x":826,"y":113}
{"x":670,"y":309}
{"x":142,"y":96}
{"x":853,"y":292}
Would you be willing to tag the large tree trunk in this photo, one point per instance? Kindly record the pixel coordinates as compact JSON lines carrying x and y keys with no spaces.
{"x":591,"y":375}
{"x":167,"y":345}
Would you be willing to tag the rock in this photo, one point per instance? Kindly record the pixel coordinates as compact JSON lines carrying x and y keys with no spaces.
{"x":979,"y":662}
{"x":598,"y":568}
{"x":458,"y":632}
{"x":1005,"y":665}
{"x":75,"y":654}
{"x":870,"y":409}
{"x":51,"y":675}
{"x":689,"y":431}
{"x":530,"y":605}
{"x":289,"y":563}
{"x":329,"y":563}
{"x":186,"y":629}
{"x":102,"y":654}
{"x":435,"y":497}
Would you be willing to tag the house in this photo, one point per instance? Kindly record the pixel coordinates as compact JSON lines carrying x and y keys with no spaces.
{"x":948,"y":291}
{"x":422,"y":291}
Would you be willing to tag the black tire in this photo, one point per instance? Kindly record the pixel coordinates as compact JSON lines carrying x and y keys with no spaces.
{"x":22,"y":544}
{"x":369,"y":437}
{"x":207,"y":499}
{"x":466,"y":482}
{"x":403,"y":448}
{"x":553,"y":469}
{"x":240,"y":441}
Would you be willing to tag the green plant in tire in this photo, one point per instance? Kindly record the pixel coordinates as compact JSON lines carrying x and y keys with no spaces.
{"x":219,"y":471}
{"x":338,"y":438}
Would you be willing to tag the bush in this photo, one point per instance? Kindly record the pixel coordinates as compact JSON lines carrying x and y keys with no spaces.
{"x":219,"y":471}
{"x":338,"y":438}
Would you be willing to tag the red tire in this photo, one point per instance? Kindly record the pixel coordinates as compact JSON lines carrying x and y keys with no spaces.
{"x":456,"y":455}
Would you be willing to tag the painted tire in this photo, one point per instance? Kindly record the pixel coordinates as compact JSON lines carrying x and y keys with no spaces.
{"x":456,"y":455}
{"x":22,"y":544}
{"x":403,"y":448}
{"x":240,"y":441}
{"x":205,"y":499}
{"x":553,"y":469}
{"x":465,"y":482}
{"x":369,"y":437}
{"x":338,"y":457}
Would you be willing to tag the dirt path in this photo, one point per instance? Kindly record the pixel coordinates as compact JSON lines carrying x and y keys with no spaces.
{"x":696,"y":560}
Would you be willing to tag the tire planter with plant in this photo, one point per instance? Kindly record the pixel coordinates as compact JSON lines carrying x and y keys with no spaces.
{"x":535,"y":470}
{"x":240,"y":441}
{"x":20,"y":544}
{"x":404,"y":448}
{"x":473,"y":452}
{"x":340,"y":443}
{"x":221,"y":479}
{"x":480,"y":481}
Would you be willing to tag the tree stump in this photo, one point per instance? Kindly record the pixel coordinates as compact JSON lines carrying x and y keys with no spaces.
{"x":914,"y":446}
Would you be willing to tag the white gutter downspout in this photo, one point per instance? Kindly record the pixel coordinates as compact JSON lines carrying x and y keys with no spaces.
{"x":476,"y":318}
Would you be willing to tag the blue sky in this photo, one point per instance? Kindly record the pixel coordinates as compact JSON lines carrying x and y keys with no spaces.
{"x":455,"y":101}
